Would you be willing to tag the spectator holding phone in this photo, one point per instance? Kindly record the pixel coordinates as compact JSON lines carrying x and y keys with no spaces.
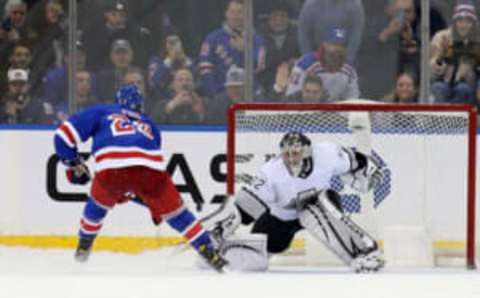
{"x":162,"y":68}
{"x":185,"y":106}
{"x":14,"y":27}
{"x":224,"y":47}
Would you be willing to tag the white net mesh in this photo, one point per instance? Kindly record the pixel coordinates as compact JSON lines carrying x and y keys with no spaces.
{"x":337,"y":122}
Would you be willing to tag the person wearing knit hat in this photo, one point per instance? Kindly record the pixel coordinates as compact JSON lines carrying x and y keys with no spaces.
{"x":464,"y":19}
{"x":455,"y":54}
{"x":465,"y":9}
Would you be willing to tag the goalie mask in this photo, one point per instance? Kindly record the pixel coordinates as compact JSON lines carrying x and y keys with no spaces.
{"x":296,"y":150}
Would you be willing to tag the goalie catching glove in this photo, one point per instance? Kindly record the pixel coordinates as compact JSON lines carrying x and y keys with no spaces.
{"x":77,"y":171}
{"x":365,"y":174}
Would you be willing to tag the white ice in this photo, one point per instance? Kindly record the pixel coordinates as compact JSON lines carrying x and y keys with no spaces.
{"x":31,"y":273}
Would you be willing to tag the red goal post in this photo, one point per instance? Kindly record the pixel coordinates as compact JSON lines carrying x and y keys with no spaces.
{"x":457,"y":118}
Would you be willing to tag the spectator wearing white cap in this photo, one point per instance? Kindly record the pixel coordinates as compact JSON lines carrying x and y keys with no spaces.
{"x":17,"y":106}
{"x":455,"y":55}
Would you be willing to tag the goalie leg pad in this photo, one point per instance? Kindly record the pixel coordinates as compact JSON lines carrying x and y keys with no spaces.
{"x":339,"y":233}
{"x":223,"y":222}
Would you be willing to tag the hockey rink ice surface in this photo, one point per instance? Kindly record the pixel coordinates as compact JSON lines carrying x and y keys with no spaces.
{"x":36,"y":273}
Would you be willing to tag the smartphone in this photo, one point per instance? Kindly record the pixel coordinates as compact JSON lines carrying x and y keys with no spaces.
{"x":174,"y":42}
{"x":400,"y":16}
{"x":7,"y":25}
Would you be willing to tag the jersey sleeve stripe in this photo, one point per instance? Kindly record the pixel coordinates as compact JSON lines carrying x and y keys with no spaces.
{"x":60,"y":133}
{"x":73,"y":131}
{"x":66,"y":135}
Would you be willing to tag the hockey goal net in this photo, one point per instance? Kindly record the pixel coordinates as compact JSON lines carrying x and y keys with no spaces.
{"x":424,"y":211}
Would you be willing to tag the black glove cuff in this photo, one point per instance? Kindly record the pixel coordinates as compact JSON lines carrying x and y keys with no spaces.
{"x":72,"y":162}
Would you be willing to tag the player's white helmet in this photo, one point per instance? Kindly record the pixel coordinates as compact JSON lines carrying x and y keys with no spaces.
{"x":296,"y":150}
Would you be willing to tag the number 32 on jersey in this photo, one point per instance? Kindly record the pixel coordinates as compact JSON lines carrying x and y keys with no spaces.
{"x":122,"y":126}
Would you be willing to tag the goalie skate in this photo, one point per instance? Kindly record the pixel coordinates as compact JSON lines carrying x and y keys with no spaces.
{"x":370,"y":262}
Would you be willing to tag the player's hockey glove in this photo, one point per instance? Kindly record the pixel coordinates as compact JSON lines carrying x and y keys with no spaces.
{"x":376,"y":178}
{"x":366,"y":178}
{"x":77,"y":172}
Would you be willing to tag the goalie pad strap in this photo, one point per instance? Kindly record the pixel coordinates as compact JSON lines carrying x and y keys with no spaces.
{"x":250,"y":204}
{"x":335,"y":230}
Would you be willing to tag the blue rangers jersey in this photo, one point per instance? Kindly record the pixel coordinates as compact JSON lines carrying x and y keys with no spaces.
{"x":338,"y":85}
{"x":121,"y":138}
{"x":217,"y":56}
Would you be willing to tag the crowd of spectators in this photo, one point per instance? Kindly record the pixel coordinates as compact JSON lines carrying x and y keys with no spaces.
{"x":188,"y":56}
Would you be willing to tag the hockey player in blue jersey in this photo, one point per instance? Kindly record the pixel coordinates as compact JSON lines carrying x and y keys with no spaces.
{"x":129,"y":163}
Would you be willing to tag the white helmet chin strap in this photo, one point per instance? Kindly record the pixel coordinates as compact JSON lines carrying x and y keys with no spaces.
{"x":295,"y":170}
{"x":295,"y":167}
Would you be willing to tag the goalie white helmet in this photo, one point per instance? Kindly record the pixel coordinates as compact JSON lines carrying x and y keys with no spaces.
{"x":296,"y":151}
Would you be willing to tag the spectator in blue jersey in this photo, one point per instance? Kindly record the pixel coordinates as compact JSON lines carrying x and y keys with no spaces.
{"x":316,"y":15}
{"x":185,"y":106}
{"x":225,"y":47}
{"x":162,"y":68}
{"x":18,"y":106}
{"x":111,"y":77}
{"x":56,"y":80}
{"x":129,"y":164}
{"x":281,"y":41}
{"x":329,"y":63}
{"x":98,"y":38}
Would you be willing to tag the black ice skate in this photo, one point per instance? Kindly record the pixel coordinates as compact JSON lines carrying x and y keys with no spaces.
{"x":212,"y":258}
{"x":83,"y":249}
